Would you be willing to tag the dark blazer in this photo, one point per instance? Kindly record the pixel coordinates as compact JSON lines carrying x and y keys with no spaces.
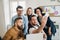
{"x":51,"y":24}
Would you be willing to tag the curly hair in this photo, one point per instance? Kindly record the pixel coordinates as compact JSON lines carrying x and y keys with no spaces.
{"x":39,"y":9}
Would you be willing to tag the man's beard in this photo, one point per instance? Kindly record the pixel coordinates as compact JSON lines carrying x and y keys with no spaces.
{"x":20,"y":27}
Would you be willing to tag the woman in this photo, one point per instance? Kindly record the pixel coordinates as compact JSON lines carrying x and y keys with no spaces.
{"x":29,"y":12}
{"x":40,"y":15}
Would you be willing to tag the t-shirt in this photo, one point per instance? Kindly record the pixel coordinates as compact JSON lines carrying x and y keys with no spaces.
{"x":34,"y":28}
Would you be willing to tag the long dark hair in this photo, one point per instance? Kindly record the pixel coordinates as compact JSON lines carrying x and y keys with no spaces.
{"x":40,"y":10}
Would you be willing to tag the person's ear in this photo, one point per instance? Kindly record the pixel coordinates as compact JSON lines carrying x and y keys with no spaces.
{"x":15,"y":23}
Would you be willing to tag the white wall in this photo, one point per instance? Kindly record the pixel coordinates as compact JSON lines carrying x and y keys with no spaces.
{"x":36,"y":3}
{"x":1,"y":19}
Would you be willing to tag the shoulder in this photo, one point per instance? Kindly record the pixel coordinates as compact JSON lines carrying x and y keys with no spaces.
{"x":14,"y":17}
{"x":8,"y":33}
{"x":9,"y":30}
{"x":25,"y":15}
{"x":31,"y":30}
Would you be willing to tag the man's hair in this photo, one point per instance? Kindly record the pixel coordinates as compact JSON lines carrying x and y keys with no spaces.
{"x":17,"y":19}
{"x":19,"y":7}
{"x":31,"y":17}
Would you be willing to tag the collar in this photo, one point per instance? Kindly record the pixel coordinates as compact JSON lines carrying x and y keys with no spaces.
{"x":16,"y":29}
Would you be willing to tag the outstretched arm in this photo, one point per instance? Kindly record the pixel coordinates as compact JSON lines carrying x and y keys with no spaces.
{"x":43,"y":23}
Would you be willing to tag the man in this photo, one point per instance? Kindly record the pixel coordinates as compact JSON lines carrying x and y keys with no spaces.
{"x":19,"y":10}
{"x":33,"y":26}
{"x":16,"y":32}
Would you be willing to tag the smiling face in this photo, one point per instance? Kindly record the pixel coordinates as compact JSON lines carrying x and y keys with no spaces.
{"x":19,"y":11}
{"x":38,"y":12}
{"x":29,"y":11}
{"x":19,"y":24}
{"x":34,"y":20}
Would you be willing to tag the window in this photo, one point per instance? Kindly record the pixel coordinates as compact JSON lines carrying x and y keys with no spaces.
{"x":10,"y":10}
{"x":13,"y":5}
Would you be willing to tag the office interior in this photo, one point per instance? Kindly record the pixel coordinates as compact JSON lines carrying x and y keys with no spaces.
{"x":7,"y":11}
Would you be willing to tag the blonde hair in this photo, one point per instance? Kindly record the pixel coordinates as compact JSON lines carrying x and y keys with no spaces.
{"x":28,"y":10}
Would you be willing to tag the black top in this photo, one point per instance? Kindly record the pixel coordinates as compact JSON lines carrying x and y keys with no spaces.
{"x":48,"y":24}
{"x":29,"y":17}
{"x":29,"y":26}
